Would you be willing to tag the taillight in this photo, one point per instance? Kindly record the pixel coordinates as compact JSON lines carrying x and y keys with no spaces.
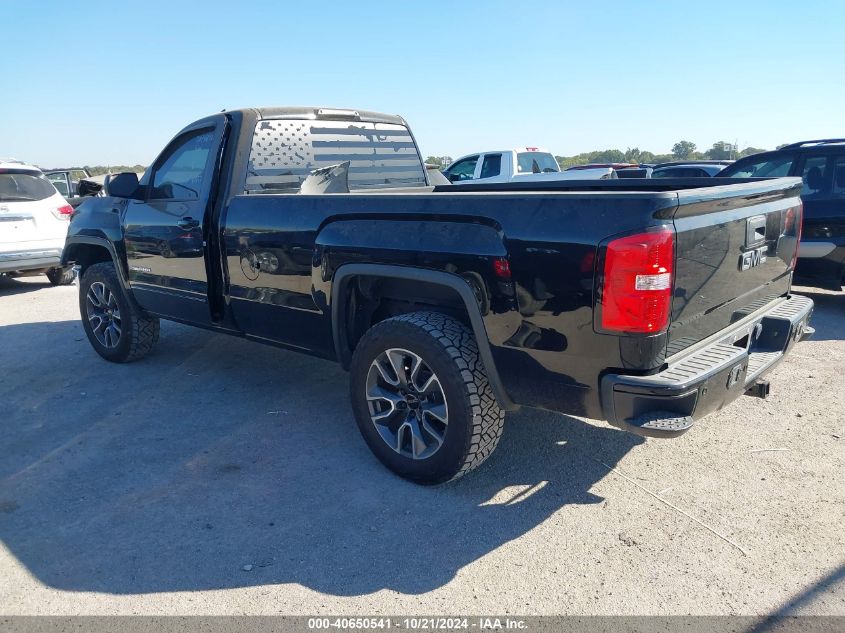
{"x":502,"y":268}
{"x":63,"y":212}
{"x":636,"y":289}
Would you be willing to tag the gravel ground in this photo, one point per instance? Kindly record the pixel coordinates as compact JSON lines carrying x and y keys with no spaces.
{"x":219,"y":476}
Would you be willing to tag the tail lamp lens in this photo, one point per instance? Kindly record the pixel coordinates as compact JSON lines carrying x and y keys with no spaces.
{"x":636,"y":291}
{"x":64,"y":212}
{"x":502,"y":268}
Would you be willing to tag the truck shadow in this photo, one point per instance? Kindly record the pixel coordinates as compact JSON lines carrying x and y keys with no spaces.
{"x":10,"y":286}
{"x":828,"y":315}
{"x":218,"y":463}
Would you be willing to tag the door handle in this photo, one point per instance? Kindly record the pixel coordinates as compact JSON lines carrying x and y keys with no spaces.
{"x":188,"y":223}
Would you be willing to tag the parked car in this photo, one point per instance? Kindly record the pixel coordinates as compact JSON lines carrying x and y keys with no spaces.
{"x":646,"y":304}
{"x":77,"y":184}
{"x":821,"y":165}
{"x":33,"y":224}
{"x":638,"y":171}
{"x":516,"y":165}
{"x":616,"y":166}
{"x":435,"y":176}
{"x":689,"y":169}
{"x":621,"y":170}
{"x":73,"y":184}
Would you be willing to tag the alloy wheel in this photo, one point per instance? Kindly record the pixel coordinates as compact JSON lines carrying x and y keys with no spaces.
{"x":407,"y":403}
{"x":103,"y":315}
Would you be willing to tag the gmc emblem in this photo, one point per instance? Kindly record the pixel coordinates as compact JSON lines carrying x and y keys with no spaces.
{"x":752,"y":258}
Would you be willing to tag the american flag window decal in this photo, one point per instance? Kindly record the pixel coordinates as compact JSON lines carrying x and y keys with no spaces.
{"x":285,"y":151}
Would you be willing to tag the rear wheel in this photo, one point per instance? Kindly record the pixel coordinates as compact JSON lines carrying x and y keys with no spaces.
{"x":116,"y":327}
{"x":422,"y":399}
{"x":60,"y":276}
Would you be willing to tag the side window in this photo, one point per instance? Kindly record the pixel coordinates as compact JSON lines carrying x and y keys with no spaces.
{"x":492,"y":166}
{"x":816,"y":177}
{"x":463,"y":169}
{"x":772,"y":167}
{"x":180,"y":175}
{"x":838,"y":177}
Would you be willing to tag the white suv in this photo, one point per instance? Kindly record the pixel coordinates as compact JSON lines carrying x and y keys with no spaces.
{"x":34,"y":219}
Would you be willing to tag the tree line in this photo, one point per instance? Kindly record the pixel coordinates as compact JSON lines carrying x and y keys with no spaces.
{"x":682,"y":150}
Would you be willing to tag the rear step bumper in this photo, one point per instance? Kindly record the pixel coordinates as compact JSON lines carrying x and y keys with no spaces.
{"x":710,"y":377}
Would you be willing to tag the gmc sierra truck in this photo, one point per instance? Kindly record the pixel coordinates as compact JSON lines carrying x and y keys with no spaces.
{"x":646,"y":303}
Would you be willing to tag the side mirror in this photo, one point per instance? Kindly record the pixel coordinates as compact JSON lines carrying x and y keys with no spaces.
{"x":123,"y":185}
{"x":454,"y":177}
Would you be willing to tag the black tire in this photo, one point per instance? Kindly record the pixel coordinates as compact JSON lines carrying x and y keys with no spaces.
{"x":60,"y":276}
{"x":449,"y":349}
{"x":138,"y":332}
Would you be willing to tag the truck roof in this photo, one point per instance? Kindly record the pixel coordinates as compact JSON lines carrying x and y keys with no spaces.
{"x":323,"y":112}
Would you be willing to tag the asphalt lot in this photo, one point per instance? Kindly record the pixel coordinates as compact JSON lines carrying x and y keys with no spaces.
{"x":220,"y":476}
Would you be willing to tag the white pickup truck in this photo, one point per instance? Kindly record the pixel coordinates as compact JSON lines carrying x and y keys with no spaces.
{"x":522,"y":164}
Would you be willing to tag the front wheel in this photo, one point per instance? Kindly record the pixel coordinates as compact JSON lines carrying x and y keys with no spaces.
{"x":421,"y":397}
{"x":116,"y":327}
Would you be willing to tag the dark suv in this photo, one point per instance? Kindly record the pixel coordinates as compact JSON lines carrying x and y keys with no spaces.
{"x":821,"y":164}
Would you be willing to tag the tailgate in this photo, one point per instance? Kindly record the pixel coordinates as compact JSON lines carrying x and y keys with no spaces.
{"x":734,"y":253}
{"x":17,"y":224}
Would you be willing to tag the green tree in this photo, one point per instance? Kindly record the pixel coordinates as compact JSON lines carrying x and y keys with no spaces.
{"x":721,"y":151}
{"x":632,"y":155}
{"x":609,"y":156}
{"x":748,"y":151}
{"x":682,"y":150}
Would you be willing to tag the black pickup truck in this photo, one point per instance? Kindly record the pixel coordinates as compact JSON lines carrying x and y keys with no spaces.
{"x":645,"y":303}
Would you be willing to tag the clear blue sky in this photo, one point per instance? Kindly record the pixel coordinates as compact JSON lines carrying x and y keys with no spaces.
{"x":110,"y":82}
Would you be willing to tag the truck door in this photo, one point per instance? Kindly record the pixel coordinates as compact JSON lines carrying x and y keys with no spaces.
{"x":166,"y":231}
{"x":491,"y":169}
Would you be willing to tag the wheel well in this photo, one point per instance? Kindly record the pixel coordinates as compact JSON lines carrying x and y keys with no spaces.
{"x":369,"y":300}
{"x":85,"y":255}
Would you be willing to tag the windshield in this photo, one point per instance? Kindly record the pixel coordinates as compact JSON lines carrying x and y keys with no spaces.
{"x":24,"y":187}
{"x":536,"y":163}
{"x":771,"y":167}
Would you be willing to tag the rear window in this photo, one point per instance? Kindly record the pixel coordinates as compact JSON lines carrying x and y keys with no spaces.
{"x":284,"y":152}
{"x":24,"y":187}
{"x":536,"y":163}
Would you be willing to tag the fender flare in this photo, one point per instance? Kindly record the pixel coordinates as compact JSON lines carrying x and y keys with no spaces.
{"x":96,"y":241}
{"x":347,"y":272}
